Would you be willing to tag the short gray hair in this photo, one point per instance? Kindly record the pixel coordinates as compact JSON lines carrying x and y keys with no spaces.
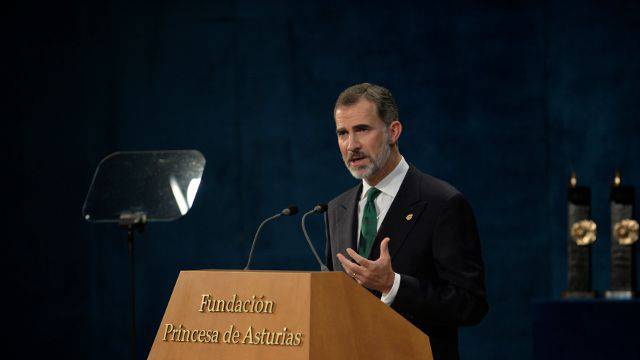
{"x":379,"y":95}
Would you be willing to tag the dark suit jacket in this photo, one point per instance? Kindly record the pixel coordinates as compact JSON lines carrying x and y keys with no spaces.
{"x":434,"y":247}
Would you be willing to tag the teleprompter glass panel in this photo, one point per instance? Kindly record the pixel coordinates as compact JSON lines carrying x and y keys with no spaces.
{"x":161,"y":185}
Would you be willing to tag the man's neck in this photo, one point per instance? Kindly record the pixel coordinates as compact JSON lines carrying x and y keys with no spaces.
{"x":392,"y":162}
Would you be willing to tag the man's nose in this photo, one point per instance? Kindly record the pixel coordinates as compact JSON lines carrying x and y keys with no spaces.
{"x":352,"y":143}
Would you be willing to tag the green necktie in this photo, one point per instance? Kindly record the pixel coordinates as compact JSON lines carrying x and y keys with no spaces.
{"x":369,"y":226}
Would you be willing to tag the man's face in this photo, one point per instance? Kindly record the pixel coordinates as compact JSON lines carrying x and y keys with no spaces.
{"x":363,"y":138}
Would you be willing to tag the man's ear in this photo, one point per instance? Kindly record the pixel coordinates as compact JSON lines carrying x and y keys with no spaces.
{"x":395,"y":129}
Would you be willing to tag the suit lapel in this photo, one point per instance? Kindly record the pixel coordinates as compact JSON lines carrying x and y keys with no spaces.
{"x":347,"y":223}
{"x":402,"y":215}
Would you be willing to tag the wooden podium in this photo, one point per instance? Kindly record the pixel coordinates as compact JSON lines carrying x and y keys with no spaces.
{"x":281,"y":315}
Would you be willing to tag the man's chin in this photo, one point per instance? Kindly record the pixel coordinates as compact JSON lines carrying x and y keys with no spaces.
{"x":360,"y":173}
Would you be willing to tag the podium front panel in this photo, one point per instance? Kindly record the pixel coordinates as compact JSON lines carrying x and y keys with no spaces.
{"x":235,"y":315}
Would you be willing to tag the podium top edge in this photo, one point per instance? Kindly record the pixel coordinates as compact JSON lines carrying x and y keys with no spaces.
{"x":239,"y":271}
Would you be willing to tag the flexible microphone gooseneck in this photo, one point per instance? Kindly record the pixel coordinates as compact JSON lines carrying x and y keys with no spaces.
{"x":318,"y":209}
{"x":290,"y":210}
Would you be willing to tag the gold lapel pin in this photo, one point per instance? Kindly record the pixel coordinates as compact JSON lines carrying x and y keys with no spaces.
{"x":409,"y":217}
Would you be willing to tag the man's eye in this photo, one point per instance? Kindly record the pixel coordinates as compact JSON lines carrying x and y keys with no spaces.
{"x":341,"y":133}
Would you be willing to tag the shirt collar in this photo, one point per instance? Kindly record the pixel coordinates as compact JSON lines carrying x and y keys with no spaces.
{"x":391,"y":183}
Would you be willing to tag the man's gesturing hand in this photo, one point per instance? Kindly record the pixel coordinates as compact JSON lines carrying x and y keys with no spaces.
{"x":376,"y":275}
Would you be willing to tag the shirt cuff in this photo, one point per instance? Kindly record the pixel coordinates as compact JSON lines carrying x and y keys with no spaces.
{"x":391,"y":295}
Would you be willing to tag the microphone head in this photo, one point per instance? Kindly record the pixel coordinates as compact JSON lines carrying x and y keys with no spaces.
{"x":290,"y":210}
{"x":320,"y":208}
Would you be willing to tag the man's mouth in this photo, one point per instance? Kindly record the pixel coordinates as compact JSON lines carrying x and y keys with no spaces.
{"x":357,"y":160}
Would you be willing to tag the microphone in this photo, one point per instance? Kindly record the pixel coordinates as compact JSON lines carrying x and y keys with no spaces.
{"x":318,"y":209}
{"x":288,"y":211}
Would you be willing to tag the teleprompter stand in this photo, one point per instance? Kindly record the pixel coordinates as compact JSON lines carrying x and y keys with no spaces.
{"x":135,"y":188}
{"x":132,"y":222}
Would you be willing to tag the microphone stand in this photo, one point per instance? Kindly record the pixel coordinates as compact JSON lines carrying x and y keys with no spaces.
{"x":255,"y":237}
{"x":323,"y":267}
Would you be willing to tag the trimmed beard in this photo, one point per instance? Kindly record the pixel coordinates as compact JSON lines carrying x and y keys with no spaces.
{"x":375,"y":164}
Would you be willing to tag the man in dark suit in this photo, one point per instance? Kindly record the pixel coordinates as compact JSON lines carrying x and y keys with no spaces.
{"x":416,"y":238}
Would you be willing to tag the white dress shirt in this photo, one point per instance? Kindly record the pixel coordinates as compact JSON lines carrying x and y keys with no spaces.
{"x":388,"y":187}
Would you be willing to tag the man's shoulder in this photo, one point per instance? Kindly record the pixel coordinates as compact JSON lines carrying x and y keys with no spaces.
{"x":434,"y":189}
{"x":345,"y":197}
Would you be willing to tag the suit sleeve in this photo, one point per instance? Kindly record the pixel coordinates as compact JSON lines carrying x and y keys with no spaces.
{"x":455,"y":296}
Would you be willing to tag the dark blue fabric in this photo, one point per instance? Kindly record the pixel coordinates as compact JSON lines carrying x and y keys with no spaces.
{"x":586,"y":329}
{"x":500,"y":98}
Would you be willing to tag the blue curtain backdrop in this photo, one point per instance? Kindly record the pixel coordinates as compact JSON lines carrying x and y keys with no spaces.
{"x":500,"y":98}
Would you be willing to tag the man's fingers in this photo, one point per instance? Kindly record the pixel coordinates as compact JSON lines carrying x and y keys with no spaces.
{"x":384,"y":247}
{"x":349,"y":267}
{"x":343,"y":261}
{"x":354,"y":270}
{"x":359,"y":259}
